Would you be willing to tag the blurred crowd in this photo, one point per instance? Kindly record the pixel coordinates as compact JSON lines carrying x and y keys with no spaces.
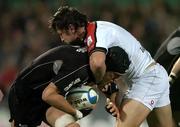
{"x":24,"y":31}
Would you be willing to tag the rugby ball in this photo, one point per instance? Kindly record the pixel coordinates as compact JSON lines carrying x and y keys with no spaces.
{"x":82,"y":98}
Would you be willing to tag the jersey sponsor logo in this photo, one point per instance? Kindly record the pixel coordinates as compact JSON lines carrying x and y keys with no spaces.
{"x":89,"y":41}
{"x":151,"y":102}
{"x":57,"y":66}
{"x":76,"y":81}
{"x":78,"y":101}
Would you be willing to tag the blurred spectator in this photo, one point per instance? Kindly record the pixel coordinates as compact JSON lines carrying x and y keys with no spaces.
{"x":1,"y":95}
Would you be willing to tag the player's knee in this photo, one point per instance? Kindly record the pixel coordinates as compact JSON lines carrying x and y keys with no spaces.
{"x":12,"y":124}
{"x":64,"y":120}
{"x":167,"y":124}
{"x":124,"y":122}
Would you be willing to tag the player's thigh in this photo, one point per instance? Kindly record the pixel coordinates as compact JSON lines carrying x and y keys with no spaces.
{"x":161,"y":117}
{"x":132,"y":113}
{"x":176,"y":116}
{"x":12,"y":123}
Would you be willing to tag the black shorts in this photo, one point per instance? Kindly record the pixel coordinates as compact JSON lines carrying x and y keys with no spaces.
{"x":26,"y":113}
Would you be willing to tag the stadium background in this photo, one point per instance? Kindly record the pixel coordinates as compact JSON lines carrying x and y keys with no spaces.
{"x":24,"y":32}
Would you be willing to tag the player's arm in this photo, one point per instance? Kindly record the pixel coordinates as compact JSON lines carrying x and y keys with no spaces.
{"x":110,"y":88}
{"x":175,"y":72}
{"x":109,"y":85}
{"x":52,"y":96}
{"x":115,"y":92}
{"x":97,"y":65}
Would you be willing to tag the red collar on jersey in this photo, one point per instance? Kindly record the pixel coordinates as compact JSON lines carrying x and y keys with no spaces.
{"x":90,"y":39}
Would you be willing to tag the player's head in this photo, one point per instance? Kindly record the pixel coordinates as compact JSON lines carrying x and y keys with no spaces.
{"x":66,"y":16}
{"x":69,"y":23}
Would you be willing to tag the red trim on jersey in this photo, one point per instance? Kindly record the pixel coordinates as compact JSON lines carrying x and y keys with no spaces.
{"x":90,"y":40}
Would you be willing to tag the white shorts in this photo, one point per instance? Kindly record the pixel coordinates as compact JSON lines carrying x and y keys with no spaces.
{"x":151,"y":88}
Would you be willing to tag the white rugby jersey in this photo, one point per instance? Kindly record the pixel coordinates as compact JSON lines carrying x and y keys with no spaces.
{"x":104,"y":35}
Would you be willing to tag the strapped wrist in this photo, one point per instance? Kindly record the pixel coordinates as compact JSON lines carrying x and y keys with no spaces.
{"x":78,"y":114}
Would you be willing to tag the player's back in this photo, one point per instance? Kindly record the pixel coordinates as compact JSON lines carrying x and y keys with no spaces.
{"x":36,"y":76}
{"x":111,"y":35}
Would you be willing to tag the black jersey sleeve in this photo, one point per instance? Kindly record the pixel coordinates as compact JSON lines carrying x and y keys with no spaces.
{"x":66,"y":80}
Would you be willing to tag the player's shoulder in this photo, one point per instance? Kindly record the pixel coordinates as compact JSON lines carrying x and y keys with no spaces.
{"x":102,"y":24}
{"x":106,"y":29}
{"x":73,"y":49}
{"x":64,"y":48}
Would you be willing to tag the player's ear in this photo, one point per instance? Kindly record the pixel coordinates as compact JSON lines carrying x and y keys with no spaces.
{"x":71,"y":28}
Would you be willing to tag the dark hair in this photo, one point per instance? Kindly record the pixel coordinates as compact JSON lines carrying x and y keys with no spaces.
{"x":66,"y":16}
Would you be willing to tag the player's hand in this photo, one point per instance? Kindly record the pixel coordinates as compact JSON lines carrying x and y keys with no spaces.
{"x":78,"y":114}
{"x":112,"y":109}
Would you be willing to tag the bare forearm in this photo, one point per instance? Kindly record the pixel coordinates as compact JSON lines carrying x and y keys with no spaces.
{"x":51,"y":96}
{"x":60,"y":103}
{"x":176,"y":68}
{"x":97,"y":65}
{"x":99,"y":73}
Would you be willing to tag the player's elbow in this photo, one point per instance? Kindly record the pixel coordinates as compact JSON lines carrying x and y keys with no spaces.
{"x":48,"y":91}
{"x":97,"y":64}
{"x":45,"y":95}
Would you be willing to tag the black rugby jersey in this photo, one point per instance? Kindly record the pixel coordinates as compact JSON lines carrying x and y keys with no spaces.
{"x":165,"y":57}
{"x":65,"y":66}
